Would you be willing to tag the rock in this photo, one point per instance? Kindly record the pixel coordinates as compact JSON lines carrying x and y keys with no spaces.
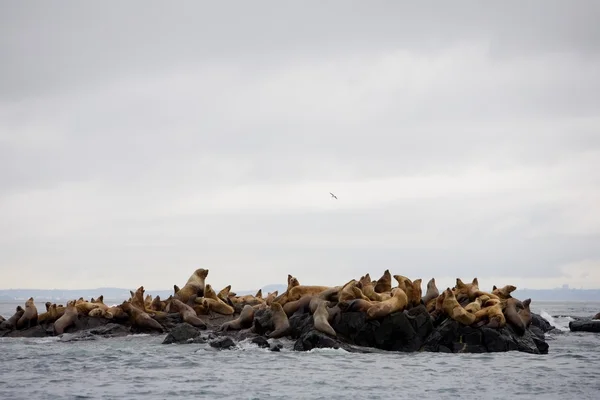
{"x":261,"y":342}
{"x":537,"y":320}
{"x":276,"y":347}
{"x":263,"y":322}
{"x":182,"y":333}
{"x":223,"y":343}
{"x":451,"y":336}
{"x":585,"y":325}
{"x":34,"y":331}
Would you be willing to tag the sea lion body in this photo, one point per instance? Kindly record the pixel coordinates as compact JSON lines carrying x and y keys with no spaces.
{"x":29,"y":317}
{"x":454,"y":310}
{"x":194,"y":285}
{"x":11,"y":323}
{"x":384,"y":284}
{"x":432,"y":291}
{"x":525,"y":313}
{"x":397,"y":302}
{"x":292,"y":306}
{"x":188,"y":314}
{"x":297,"y":292}
{"x":280,"y":321}
{"x":242,"y":322}
{"x":140,"y":318}
{"x":67,"y":319}
{"x":511,"y":313}
{"x":321,"y":318}
{"x":504,"y":292}
{"x":215,"y":304}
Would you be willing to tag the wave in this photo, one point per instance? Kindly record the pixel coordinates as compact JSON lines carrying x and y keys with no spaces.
{"x":560,"y":322}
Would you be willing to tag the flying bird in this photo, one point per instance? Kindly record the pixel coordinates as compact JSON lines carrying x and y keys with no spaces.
{"x":333,"y":195}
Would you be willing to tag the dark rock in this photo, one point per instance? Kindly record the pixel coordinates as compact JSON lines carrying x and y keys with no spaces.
{"x":182,"y":333}
{"x":34,"y":331}
{"x":263,"y":322}
{"x":223,"y":343}
{"x":315,"y":339}
{"x":276,"y":347}
{"x":585,"y":325}
{"x":261,"y":342}
{"x":537,"y":320}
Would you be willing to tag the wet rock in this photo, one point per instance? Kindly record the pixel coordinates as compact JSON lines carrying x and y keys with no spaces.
{"x":276,"y":347}
{"x":585,"y":325}
{"x":261,"y":342}
{"x":263,"y":322}
{"x":223,"y":343}
{"x":537,"y":320}
{"x":33,"y":332}
{"x":182,"y":333}
{"x":457,"y":338}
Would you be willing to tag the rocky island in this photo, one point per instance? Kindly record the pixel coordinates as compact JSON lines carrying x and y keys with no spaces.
{"x":358,"y":316}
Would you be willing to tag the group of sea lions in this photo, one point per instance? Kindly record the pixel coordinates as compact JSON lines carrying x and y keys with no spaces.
{"x":197,"y":300}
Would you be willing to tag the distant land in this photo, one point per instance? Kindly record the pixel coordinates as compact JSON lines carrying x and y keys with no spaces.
{"x":560,"y":294}
{"x":116,"y":294}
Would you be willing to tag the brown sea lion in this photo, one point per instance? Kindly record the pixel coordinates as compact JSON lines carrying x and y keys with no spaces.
{"x":454,"y":310}
{"x":432,"y":291}
{"x":368,"y":289}
{"x":384,"y":284}
{"x":283,"y":298}
{"x":224,"y":294}
{"x":597,"y":316}
{"x":11,"y":323}
{"x":280,"y":321}
{"x":466,"y":290}
{"x":397,"y":302}
{"x":511,"y":313}
{"x":29,"y":317}
{"x":258,"y":294}
{"x":157,"y":304}
{"x":194,"y":285}
{"x":474,"y":306}
{"x":292,"y":306}
{"x":85,"y":307}
{"x":188,"y":314}
{"x":215,"y":303}
{"x":175,"y":289}
{"x":270,"y":297}
{"x":116,"y":313}
{"x":321,"y":318}
{"x":492,"y":312}
{"x":297,"y":292}
{"x":244,"y":321}
{"x":140,"y":318}
{"x":525,"y":313}
{"x":67,"y":319}
{"x":99,"y":313}
{"x":355,"y":305}
{"x":504,"y":293}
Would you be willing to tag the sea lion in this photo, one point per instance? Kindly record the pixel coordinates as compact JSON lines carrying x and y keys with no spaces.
{"x":224,"y":295}
{"x":511,"y":313}
{"x":368,"y":289}
{"x":384,"y":284}
{"x":432,"y":292}
{"x":504,"y":293}
{"x":194,"y":285}
{"x":85,"y":307}
{"x":454,"y":310}
{"x":397,"y":302}
{"x":215,"y":304}
{"x":29,"y":317}
{"x":493,"y":312}
{"x":597,"y":316}
{"x":140,"y":318}
{"x":175,"y":289}
{"x":188,"y":314}
{"x":116,"y":313}
{"x":474,"y":306}
{"x":11,"y":323}
{"x":321,"y":318}
{"x":258,"y":294}
{"x":525,"y":313}
{"x":280,"y":321}
{"x":99,"y":313}
{"x":466,"y":290}
{"x":292,"y":306}
{"x":157,"y":304}
{"x":299,"y":291}
{"x":242,"y":322}
{"x":67,"y":319}
{"x":270,"y":297}
{"x":355,"y":305}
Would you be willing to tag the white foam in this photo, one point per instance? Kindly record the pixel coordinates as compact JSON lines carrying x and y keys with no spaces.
{"x":561,"y":323}
{"x":327,"y":350}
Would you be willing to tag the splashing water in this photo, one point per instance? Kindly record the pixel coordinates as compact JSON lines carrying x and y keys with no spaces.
{"x":560,"y":323}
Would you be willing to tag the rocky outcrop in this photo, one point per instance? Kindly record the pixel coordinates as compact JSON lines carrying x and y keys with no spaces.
{"x":585,"y":325}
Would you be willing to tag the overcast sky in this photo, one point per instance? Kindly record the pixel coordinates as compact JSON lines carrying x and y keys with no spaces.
{"x":142,"y":140}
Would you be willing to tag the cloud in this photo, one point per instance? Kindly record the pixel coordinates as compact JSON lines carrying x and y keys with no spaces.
{"x":134,"y":152}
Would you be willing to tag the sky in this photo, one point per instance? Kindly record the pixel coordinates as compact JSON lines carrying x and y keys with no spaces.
{"x":142,"y":140}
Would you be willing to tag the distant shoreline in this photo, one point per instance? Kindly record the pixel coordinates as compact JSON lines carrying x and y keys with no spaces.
{"x":558,"y":294}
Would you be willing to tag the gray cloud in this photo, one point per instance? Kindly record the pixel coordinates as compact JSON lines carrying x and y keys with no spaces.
{"x":144,"y":140}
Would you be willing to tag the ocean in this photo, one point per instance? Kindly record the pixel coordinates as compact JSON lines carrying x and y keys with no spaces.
{"x":140,"y":367}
